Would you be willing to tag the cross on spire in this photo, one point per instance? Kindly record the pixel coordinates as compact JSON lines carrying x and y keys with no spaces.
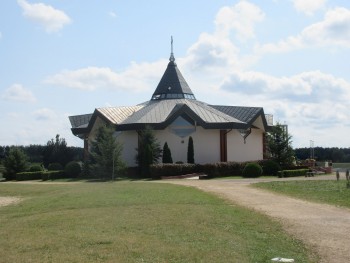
{"x":172,"y":58}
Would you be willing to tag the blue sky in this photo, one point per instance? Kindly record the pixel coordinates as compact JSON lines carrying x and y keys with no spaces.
{"x":62,"y":58}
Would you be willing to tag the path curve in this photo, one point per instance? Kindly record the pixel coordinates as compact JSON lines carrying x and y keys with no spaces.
{"x":325,"y":228}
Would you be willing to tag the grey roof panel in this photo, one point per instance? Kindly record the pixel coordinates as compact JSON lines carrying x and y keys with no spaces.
{"x":80,"y":121}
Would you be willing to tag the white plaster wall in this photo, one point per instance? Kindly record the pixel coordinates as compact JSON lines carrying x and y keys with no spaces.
{"x":206,"y":145}
{"x":252,"y":150}
{"x":129,"y":140}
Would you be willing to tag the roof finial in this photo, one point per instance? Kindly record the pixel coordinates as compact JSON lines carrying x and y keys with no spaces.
{"x":172,"y":58}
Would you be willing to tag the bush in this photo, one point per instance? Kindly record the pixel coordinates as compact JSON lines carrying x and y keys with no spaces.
{"x":72,"y":169}
{"x":35,"y":168}
{"x":55,"y":167}
{"x":270,"y":167}
{"x":252,"y":170}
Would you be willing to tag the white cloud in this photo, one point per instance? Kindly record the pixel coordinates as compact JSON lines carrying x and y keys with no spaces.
{"x":240,"y":18}
{"x":333,"y":30}
{"x":18,"y":93}
{"x":0,"y":35}
{"x":50,"y":18}
{"x":136,"y":78}
{"x":308,"y":7}
{"x":112,"y":14}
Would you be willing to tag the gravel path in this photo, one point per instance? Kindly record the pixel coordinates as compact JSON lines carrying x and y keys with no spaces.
{"x":324,"y":228}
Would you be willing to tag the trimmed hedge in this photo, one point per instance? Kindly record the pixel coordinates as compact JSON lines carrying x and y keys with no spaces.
{"x":41,"y":175}
{"x":293,"y":173}
{"x":24,"y":176}
{"x":219,"y":169}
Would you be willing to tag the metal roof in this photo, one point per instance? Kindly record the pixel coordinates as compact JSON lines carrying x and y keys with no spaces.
{"x":80,"y":120}
{"x":117,"y":115}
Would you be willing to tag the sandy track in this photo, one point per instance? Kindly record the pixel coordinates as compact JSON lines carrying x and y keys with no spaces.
{"x":324,"y":228}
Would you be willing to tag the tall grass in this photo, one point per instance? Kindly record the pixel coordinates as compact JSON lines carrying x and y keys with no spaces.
{"x":135,"y":222}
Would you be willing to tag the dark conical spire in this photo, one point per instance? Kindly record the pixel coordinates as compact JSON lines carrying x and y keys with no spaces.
{"x":172,"y":85}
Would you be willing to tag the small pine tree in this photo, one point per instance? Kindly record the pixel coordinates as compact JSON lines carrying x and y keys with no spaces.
{"x":106,"y":154}
{"x":167,"y":154}
{"x":190,"y":151}
{"x":15,"y":162}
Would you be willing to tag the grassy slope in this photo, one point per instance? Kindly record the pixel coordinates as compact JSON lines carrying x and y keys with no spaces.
{"x":330,"y":192}
{"x":135,"y":222}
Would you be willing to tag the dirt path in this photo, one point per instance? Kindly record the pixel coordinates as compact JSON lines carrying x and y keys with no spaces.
{"x":325,"y":228}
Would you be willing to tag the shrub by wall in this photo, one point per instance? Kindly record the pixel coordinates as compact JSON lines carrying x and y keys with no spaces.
{"x":293,"y":173}
{"x":53,"y":175}
{"x":252,"y":170}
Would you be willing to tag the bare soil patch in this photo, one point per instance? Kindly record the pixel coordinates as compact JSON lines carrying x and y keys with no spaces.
{"x":324,"y":228}
{"x":6,"y":200}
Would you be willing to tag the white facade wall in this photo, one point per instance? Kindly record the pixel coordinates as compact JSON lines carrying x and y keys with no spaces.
{"x":252,"y":150}
{"x":206,"y":145}
{"x":129,"y":140}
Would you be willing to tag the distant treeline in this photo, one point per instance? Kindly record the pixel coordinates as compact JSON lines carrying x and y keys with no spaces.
{"x":36,"y":153}
{"x":337,"y":155}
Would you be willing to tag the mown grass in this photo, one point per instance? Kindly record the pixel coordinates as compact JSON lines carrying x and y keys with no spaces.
{"x":322,"y":191}
{"x":135,"y":222}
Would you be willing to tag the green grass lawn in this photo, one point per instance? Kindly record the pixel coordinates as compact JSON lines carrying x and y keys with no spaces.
{"x":323,"y":191}
{"x":135,"y":222}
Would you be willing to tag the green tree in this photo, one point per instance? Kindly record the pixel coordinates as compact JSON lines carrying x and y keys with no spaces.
{"x":190,"y":151}
{"x":166,"y":154}
{"x":15,"y":162}
{"x":56,"y":151}
{"x":148,"y":152}
{"x":106,"y":151}
{"x":279,"y":145}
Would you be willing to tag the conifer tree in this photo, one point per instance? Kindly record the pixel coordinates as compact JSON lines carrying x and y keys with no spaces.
{"x":167,"y":154}
{"x":106,"y":154}
{"x":148,"y":152}
{"x":190,"y":151}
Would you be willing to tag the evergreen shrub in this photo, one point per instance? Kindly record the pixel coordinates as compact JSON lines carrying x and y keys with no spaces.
{"x":72,"y":169}
{"x":24,"y":176}
{"x":252,"y":170}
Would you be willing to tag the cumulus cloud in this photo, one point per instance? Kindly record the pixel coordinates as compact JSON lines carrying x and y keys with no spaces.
{"x":136,"y":78}
{"x":240,"y":18}
{"x":217,"y":51}
{"x":333,"y":30}
{"x":18,"y":93}
{"x":50,"y":18}
{"x":308,"y":7}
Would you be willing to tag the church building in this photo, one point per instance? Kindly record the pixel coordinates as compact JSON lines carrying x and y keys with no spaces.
{"x":220,"y":133}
